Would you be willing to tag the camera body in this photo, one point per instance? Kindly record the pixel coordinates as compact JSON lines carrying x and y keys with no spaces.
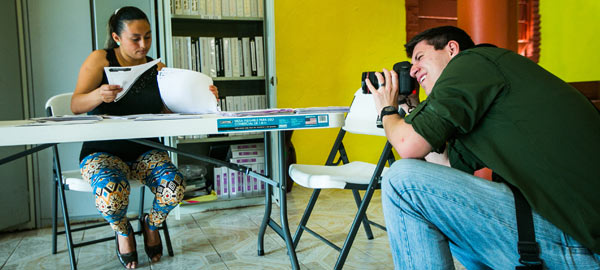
{"x":406,"y":83}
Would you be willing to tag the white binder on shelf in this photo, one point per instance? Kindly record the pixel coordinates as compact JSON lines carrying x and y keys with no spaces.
{"x":227,"y":56}
{"x":235,"y":59}
{"x":253,"y":56}
{"x":246,"y":56}
{"x":260,"y":56}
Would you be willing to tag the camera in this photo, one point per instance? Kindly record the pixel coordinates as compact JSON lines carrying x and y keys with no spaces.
{"x":406,"y":83}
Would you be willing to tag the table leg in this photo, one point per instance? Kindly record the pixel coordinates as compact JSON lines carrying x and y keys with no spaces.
{"x":283,"y":203}
{"x":266,"y":218}
{"x":284,"y":229}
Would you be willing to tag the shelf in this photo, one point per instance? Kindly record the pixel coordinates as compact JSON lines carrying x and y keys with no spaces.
{"x":237,"y":88}
{"x":216,"y":18}
{"x":221,"y":139}
{"x":222,"y":204}
{"x":253,"y":78}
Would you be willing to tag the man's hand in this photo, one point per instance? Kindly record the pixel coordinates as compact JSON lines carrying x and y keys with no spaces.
{"x":387,"y":94}
{"x":410,"y":102}
{"x":438,"y":158}
{"x":407,"y":142}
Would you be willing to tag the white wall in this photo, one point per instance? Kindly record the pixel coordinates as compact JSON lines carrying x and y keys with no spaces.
{"x":60,"y":33}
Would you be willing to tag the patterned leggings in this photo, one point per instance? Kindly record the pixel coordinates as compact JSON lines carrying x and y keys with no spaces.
{"x":109,"y":176}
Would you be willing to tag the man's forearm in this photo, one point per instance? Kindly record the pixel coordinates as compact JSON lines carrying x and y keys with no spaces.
{"x":402,"y":136}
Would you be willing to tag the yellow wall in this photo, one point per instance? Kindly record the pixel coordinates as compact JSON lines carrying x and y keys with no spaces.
{"x":570,"y":45}
{"x":323,"y":46}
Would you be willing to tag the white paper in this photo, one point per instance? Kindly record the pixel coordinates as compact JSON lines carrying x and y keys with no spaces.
{"x":67,"y":118}
{"x":126,"y":76}
{"x":165,"y":116}
{"x":186,"y":91}
{"x":64,"y":120}
{"x":153,"y":116}
{"x":329,"y":109}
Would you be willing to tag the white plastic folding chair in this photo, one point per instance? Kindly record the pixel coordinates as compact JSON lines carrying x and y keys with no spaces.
{"x":60,"y":105}
{"x":354,"y":175}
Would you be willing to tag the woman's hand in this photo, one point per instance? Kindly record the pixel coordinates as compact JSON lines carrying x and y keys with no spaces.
{"x":108,"y":92}
{"x":387,"y":94}
{"x":214,"y":90}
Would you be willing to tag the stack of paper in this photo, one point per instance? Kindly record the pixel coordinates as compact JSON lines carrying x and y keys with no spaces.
{"x":65,"y":120}
{"x":186,"y":91}
{"x":330,"y":109}
{"x":126,"y":76}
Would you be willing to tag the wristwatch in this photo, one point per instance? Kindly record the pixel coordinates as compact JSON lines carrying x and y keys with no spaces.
{"x":387,"y":110}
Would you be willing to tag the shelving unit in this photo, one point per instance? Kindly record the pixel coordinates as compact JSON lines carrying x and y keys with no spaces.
{"x":221,"y":139}
{"x":195,"y":26}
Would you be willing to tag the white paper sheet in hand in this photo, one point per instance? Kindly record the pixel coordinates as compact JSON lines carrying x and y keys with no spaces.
{"x":186,"y":91}
{"x":126,"y":76}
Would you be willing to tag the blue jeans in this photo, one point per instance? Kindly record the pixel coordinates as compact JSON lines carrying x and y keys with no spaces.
{"x":433,"y":212}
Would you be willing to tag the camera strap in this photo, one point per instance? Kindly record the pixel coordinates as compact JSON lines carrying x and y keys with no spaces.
{"x":528,"y":248}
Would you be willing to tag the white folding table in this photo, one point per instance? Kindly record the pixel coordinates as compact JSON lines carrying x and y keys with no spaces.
{"x":25,"y":132}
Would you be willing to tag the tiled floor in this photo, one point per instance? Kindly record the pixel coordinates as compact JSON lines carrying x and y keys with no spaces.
{"x":224,"y":239}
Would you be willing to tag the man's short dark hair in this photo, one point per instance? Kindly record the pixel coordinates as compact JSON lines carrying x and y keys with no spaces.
{"x":439,"y":37}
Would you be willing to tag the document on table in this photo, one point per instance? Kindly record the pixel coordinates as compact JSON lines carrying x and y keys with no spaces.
{"x":151,"y":117}
{"x":329,"y":109}
{"x":259,"y":112}
{"x":126,"y":76}
{"x":64,"y":120}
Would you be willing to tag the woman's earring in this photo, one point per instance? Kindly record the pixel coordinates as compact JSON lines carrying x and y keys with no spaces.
{"x":118,"y":43}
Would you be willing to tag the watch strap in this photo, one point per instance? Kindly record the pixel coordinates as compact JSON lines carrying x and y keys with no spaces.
{"x":383,"y":113}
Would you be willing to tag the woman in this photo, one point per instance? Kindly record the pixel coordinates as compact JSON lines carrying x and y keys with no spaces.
{"x":107,"y":165}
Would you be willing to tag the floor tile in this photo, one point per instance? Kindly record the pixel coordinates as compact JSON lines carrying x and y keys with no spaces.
{"x":222,"y":239}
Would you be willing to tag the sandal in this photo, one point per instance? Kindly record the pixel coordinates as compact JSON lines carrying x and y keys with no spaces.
{"x":151,"y":251}
{"x":130,"y":257}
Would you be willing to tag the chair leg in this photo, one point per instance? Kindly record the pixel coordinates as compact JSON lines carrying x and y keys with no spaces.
{"x":360,"y":215}
{"x":67,"y":226}
{"x":141,"y":214}
{"x":365,"y":220}
{"x":54,"y":212}
{"x":305,"y":216}
{"x":167,"y":238}
{"x":63,"y":200}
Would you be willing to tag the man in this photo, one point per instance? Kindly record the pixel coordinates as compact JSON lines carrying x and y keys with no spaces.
{"x":488,"y":107}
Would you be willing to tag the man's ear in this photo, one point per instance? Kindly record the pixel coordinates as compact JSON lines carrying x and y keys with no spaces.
{"x":453,"y":48}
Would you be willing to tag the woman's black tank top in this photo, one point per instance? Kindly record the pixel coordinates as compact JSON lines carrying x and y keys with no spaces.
{"x":142,"y":97}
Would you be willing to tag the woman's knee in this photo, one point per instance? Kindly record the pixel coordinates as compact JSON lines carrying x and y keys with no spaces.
{"x":112,"y":196}
{"x":99,"y":166}
{"x":171,"y":187}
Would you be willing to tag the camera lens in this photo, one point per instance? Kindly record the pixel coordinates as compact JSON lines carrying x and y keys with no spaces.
{"x":372,"y":78}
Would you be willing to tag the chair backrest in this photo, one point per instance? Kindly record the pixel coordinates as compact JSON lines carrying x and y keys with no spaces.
{"x":362,"y":116}
{"x":59,"y":105}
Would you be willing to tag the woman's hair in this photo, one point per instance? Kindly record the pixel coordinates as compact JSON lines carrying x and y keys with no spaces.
{"x":439,"y":37}
{"x":117,"y":22}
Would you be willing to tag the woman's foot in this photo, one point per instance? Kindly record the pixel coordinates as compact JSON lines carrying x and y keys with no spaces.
{"x":152,"y":242}
{"x":127,"y":246}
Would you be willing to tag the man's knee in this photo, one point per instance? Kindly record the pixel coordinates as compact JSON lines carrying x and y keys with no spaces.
{"x":402,"y":172}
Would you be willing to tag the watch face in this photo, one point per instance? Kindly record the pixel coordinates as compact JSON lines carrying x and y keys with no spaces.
{"x":390,"y":109}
